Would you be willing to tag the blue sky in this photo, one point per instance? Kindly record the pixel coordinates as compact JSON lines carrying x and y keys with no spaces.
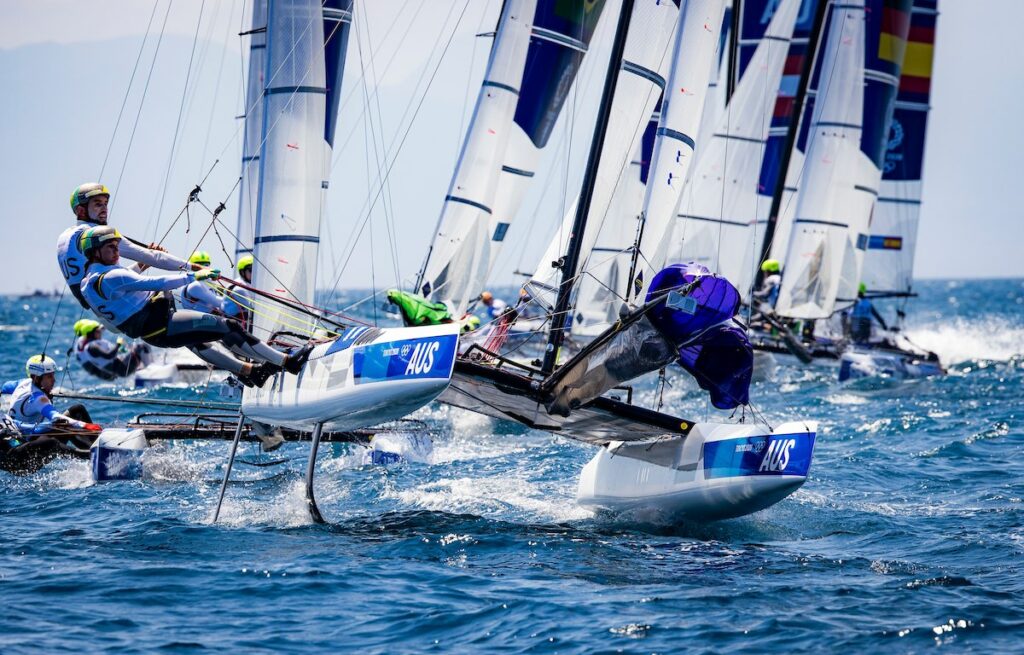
{"x":65,"y":67}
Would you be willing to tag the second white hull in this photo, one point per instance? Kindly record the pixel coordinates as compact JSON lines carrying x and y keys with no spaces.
{"x":717,"y":471}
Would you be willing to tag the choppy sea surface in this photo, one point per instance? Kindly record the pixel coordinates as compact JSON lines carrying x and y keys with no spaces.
{"x":908,"y":536}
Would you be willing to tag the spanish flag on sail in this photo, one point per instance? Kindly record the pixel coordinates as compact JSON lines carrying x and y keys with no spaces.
{"x":915,"y":82}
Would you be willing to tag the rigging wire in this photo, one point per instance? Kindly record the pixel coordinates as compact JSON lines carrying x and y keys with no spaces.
{"x":127,"y":90}
{"x":177,"y":126}
{"x":142,"y":102}
{"x":367,"y":108}
{"x":397,"y":150}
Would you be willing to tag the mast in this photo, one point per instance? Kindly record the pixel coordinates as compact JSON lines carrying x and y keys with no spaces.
{"x":791,"y":133}
{"x":569,"y":264}
{"x":734,"y":50}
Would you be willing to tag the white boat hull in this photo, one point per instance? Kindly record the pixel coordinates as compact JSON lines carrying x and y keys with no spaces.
{"x":717,"y":471}
{"x":367,"y":376}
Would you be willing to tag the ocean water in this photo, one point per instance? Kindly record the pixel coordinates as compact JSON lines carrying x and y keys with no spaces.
{"x":909,"y":535}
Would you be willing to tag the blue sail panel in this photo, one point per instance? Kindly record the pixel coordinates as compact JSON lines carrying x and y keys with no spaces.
{"x":337,"y":25}
{"x":754,"y":18}
{"x":647,"y":142}
{"x":904,"y":156}
{"x":888,"y":26}
{"x":562,"y":30}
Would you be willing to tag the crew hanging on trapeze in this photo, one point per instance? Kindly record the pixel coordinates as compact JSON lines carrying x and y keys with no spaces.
{"x":123,"y":299}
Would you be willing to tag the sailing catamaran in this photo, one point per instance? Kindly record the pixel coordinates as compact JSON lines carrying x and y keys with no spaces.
{"x":833,"y":91}
{"x":891,"y":243}
{"x":648,"y":458}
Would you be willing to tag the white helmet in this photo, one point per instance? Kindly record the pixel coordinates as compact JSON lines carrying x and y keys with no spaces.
{"x":40,"y":365}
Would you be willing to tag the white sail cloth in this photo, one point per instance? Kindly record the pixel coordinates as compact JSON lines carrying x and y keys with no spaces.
{"x":693,"y":60}
{"x":248,"y":189}
{"x":839,"y":185}
{"x":641,"y":80}
{"x":294,"y":161}
{"x":721,"y":213}
{"x":461,"y":256}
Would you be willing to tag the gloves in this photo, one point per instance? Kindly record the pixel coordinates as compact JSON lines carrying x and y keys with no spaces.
{"x":92,"y":427}
{"x":207,"y":274}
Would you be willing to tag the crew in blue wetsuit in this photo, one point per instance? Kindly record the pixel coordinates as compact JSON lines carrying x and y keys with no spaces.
{"x":43,"y":432}
{"x":493,"y":307}
{"x":198,"y":296}
{"x":127,"y":300}
{"x":89,"y":204}
{"x":861,"y":316}
{"x":769,"y":291}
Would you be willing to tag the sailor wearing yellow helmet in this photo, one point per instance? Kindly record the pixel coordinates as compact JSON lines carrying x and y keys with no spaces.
{"x":89,"y":205}
{"x":103,"y":359}
{"x":238,"y":303}
{"x":769,"y":291}
{"x":130,"y":301}
{"x":861,"y":315}
{"x":199,"y":296}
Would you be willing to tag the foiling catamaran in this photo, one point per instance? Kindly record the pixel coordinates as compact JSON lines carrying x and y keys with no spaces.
{"x":357,"y":375}
{"x":647,"y":459}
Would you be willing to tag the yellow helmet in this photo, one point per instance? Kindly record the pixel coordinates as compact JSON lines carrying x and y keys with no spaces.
{"x":770,"y":266}
{"x":82,"y":193}
{"x":85,"y":327}
{"x":95,"y":237}
{"x":244,"y":262}
{"x":200,"y":257}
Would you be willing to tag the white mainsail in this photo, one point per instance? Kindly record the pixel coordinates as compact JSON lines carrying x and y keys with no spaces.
{"x":559,"y":38}
{"x":460,"y":256}
{"x":697,"y":41}
{"x":294,"y":161}
{"x":721,"y":212}
{"x":840,"y":181}
{"x":364,"y":375}
{"x":248,"y":188}
{"x":860,"y":75}
{"x":641,"y":80}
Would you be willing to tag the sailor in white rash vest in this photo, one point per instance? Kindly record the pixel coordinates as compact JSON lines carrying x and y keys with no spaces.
{"x":103,"y":359}
{"x":89,"y":204}
{"x":124,"y":298}
{"x":40,"y":433}
{"x":198,"y":296}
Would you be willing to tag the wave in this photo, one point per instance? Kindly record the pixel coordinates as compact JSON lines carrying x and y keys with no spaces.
{"x":963,"y":340}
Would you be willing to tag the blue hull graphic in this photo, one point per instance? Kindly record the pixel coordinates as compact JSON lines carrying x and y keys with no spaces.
{"x":762,"y":455}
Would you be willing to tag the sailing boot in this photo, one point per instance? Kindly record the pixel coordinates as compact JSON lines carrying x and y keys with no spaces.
{"x":298,"y":359}
{"x":263,"y":372}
